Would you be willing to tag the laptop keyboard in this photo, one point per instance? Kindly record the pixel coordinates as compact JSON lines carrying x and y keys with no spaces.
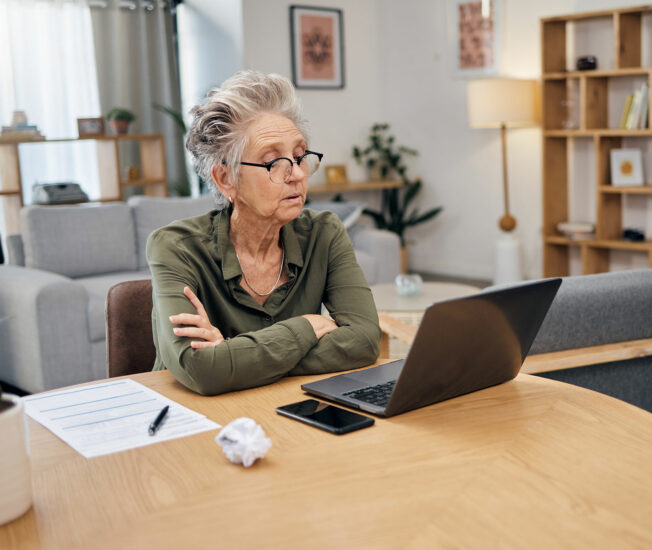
{"x":376,"y":395}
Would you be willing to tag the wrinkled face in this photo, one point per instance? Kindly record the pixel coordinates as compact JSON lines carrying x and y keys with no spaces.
{"x":270,"y":137}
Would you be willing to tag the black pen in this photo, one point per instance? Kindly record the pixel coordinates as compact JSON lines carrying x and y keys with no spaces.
{"x":158,"y":420}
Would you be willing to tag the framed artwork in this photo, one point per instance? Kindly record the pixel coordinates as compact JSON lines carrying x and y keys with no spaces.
{"x":474,"y":29}
{"x":626,"y":167}
{"x":90,"y":127}
{"x":317,"y":40}
{"x":336,"y":173}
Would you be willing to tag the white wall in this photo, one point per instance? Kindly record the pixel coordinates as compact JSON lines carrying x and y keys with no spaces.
{"x":398,"y":70}
{"x":339,"y":118}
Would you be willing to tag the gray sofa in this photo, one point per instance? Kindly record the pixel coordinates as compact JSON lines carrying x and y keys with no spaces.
{"x":53,"y":292}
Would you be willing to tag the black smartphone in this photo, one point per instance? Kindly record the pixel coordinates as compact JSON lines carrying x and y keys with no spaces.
{"x":326,"y":417}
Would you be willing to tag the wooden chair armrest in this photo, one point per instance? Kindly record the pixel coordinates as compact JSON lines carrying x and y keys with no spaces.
{"x":593,"y":355}
{"x":394,"y":328}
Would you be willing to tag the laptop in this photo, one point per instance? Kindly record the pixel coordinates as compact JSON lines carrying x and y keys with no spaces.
{"x":461,"y":346}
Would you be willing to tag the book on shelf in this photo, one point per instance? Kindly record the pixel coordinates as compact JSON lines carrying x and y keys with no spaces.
{"x":638,"y":112}
{"x":632,"y":118}
{"x":25,"y":135}
{"x":645,"y":104}
{"x":626,"y":108}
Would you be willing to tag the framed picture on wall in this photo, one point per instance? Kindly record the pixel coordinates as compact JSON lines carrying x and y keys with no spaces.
{"x":317,"y":41}
{"x":474,"y":35}
{"x":626,"y":167}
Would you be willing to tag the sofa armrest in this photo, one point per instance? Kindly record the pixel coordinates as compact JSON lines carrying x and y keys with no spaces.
{"x":44,"y":340}
{"x":15,"y":250}
{"x":593,"y":310}
{"x":384,"y":246}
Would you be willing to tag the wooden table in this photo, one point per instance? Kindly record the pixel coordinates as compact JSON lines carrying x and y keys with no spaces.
{"x":530,"y":463}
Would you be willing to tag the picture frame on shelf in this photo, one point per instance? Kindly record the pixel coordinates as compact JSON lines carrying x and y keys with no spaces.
{"x":474,"y":28}
{"x":336,"y":174}
{"x":90,"y":127}
{"x":317,"y":46}
{"x":626,"y":167}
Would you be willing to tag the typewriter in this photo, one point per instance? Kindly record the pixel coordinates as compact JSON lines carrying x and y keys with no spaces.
{"x":58,"y":193}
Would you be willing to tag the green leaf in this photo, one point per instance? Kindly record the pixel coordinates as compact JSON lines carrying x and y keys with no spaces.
{"x":427,"y":216}
{"x":378,"y":218}
{"x":409,"y":151}
{"x":176,"y":115}
{"x":411,"y":192}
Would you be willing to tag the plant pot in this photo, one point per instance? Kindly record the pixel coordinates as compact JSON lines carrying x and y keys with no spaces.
{"x":15,"y":473}
{"x":119,"y":127}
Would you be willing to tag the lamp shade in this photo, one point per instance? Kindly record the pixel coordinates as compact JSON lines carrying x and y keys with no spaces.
{"x":502,"y":101}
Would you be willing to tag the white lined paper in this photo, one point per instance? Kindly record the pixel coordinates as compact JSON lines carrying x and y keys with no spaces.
{"x":113,"y":416}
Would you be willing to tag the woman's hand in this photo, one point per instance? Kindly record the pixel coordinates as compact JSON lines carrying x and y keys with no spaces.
{"x":200,"y":326}
{"x":320,"y":324}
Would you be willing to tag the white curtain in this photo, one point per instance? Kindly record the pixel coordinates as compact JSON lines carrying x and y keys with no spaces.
{"x":47,"y":69}
{"x":136,"y":67}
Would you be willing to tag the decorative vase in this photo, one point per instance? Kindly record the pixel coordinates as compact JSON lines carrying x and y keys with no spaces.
{"x":15,"y":474}
{"x":119,"y":127}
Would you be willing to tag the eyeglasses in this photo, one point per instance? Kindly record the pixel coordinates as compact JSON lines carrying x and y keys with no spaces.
{"x":280,"y":169}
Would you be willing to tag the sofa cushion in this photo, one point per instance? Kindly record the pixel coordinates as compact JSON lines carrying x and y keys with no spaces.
{"x":97,"y":288}
{"x":79,"y":240}
{"x":347,"y":212}
{"x":150,"y":213}
{"x":369,"y":266}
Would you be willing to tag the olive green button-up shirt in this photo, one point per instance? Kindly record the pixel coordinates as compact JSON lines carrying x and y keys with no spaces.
{"x":262,"y":342}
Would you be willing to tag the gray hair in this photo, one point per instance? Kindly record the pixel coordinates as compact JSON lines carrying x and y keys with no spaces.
{"x":218,"y":133}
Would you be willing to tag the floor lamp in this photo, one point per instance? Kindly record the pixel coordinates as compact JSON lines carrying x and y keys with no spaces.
{"x":504,"y":103}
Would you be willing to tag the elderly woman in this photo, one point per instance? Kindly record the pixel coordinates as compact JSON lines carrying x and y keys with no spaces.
{"x":238,"y":291}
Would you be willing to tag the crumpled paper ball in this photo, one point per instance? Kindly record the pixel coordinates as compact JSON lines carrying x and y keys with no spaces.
{"x":243,"y":441}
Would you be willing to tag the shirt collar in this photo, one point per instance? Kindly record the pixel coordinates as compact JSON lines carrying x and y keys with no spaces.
{"x":231,"y":265}
{"x":293,"y":252}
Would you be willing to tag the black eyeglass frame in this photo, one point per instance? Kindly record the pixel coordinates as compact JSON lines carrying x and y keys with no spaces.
{"x":268,"y":165}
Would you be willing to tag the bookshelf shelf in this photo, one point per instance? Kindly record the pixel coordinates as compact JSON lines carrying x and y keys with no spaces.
{"x":627,"y":190}
{"x":636,"y":71}
{"x":590,"y":91}
{"x":152,"y":167}
{"x":353,"y":186}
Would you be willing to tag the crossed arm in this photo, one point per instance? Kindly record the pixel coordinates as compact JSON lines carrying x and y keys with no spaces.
{"x":199,"y":325}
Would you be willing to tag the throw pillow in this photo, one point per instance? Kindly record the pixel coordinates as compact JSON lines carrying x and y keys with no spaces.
{"x":347,"y":212}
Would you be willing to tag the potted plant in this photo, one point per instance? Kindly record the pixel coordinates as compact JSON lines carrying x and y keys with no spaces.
{"x":120,"y":119}
{"x":384,"y":156}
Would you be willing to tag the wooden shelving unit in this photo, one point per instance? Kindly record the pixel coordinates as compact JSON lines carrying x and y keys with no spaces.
{"x":112,"y":183}
{"x":353,"y":186}
{"x":592,"y":89}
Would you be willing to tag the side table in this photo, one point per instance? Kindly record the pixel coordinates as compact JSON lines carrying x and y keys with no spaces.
{"x":410,"y":309}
